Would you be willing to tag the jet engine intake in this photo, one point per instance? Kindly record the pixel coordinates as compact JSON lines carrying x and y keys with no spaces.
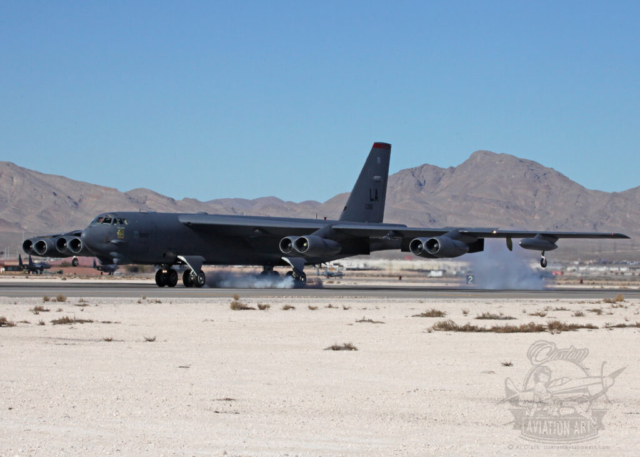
{"x":62,"y":244}
{"x":286,"y":244}
{"x":438,"y":246}
{"x":27,"y":246}
{"x":44,"y":247}
{"x":75,"y":245}
{"x":315,"y":246}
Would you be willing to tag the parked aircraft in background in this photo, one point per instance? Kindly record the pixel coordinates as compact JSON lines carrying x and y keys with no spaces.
{"x":110,"y":269}
{"x":33,"y":267}
{"x":330,"y":273}
{"x":171,"y":240}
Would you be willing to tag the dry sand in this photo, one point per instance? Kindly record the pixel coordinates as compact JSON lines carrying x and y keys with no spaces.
{"x":217,"y":380}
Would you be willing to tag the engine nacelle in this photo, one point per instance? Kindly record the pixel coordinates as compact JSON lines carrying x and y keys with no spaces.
{"x":75,"y":245}
{"x":62,"y":245}
{"x":44,"y":247}
{"x":538,"y":243}
{"x":286,"y":244}
{"x":438,"y":246}
{"x":27,"y":246}
{"x":315,"y":246}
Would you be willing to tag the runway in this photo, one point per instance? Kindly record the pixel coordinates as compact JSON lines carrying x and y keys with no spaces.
{"x":34,"y":288}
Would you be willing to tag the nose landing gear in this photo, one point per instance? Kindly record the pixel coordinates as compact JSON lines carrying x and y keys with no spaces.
{"x":543,"y":261}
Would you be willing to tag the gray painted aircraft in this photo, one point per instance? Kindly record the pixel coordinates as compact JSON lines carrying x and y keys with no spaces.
{"x":172,"y":241}
{"x":33,"y":267}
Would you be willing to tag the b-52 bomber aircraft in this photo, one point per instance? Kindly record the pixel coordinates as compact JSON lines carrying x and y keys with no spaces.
{"x":175,"y":241}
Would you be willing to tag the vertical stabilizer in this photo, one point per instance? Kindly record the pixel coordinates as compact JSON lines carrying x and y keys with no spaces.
{"x":366,"y":202}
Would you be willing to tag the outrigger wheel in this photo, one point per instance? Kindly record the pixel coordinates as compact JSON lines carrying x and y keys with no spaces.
{"x":543,"y":261}
{"x":201,"y":279}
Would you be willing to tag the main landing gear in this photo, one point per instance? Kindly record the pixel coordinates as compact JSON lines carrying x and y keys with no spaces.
{"x":190,"y":279}
{"x":543,"y":261}
{"x":269,"y":271}
{"x":299,"y":278}
{"x":169,"y":278}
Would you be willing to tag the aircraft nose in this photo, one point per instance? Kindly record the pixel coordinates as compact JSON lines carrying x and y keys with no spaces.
{"x":91,"y":240}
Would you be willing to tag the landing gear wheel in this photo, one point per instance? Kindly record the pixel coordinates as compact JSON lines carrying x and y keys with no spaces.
{"x":543,"y":262}
{"x":172,"y":278}
{"x":300,"y":279}
{"x":74,"y":262}
{"x":187,"y":278}
{"x":201,"y":279}
{"x":275,"y":274}
{"x":161,"y":278}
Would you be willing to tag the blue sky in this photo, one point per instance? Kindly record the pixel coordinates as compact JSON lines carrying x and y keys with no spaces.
{"x":249,"y":99}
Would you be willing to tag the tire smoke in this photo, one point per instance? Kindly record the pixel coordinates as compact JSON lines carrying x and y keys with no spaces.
{"x":499,"y":268}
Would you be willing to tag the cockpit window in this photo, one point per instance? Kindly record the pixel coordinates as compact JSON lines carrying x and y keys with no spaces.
{"x":97,"y":220}
{"x":121,"y":221}
{"x":107,"y":220}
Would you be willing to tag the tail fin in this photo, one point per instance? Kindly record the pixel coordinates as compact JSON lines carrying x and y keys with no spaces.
{"x":20,"y":260}
{"x":30,"y":261}
{"x":366,"y":202}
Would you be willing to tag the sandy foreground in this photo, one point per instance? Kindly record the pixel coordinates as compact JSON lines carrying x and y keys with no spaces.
{"x":218,"y":381}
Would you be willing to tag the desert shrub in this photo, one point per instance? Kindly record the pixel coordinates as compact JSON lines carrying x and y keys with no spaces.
{"x":4,"y":322}
{"x":489,"y":316}
{"x":262,"y":307}
{"x":70,"y":320}
{"x":288,"y":307}
{"x":431,"y":313}
{"x":342,"y":347}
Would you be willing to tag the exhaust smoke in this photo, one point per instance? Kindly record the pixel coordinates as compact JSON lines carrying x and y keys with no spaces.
{"x":234,"y":280}
{"x":499,"y":268}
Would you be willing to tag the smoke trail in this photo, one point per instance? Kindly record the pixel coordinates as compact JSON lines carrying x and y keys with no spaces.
{"x":499,"y":268}
{"x":234,"y":280}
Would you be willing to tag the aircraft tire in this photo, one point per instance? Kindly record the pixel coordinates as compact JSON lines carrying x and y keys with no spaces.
{"x":186,"y":279}
{"x":300,"y":280}
{"x":172,"y":278}
{"x":201,"y":279}
{"x":74,"y":262}
{"x":274,"y":273}
{"x":161,"y":278}
{"x":543,"y":262}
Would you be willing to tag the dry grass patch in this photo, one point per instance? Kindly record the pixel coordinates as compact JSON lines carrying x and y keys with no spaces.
{"x":4,"y":322}
{"x":617,"y":299}
{"x":597,"y":311}
{"x":346,"y":307}
{"x":262,"y":307}
{"x":623,"y":325}
{"x":578,"y":313}
{"x":331,"y":306}
{"x":65,"y":320}
{"x":108,"y":339}
{"x":288,"y":307}
{"x":61,"y":298}
{"x":541,"y":313}
{"x":499,"y":317}
{"x":531,"y":327}
{"x":313,"y":308}
{"x":465,"y":311}
{"x":149,"y":339}
{"x":342,"y":347}
{"x":45,"y":299}
{"x":41,"y":322}
{"x":431,"y":313}
{"x":39,"y":309}
{"x":369,"y":321}
{"x":507,"y":363}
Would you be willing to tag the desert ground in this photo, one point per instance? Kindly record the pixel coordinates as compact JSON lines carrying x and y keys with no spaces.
{"x":145,"y":376}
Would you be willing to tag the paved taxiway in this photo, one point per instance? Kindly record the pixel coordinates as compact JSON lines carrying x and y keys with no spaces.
{"x":119,"y":290}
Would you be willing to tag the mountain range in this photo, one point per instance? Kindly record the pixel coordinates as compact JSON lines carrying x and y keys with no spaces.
{"x":487,"y":190}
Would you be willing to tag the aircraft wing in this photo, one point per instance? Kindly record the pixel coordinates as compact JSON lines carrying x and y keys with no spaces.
{"x":402,"y":231}
{"x":251,"y":226}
